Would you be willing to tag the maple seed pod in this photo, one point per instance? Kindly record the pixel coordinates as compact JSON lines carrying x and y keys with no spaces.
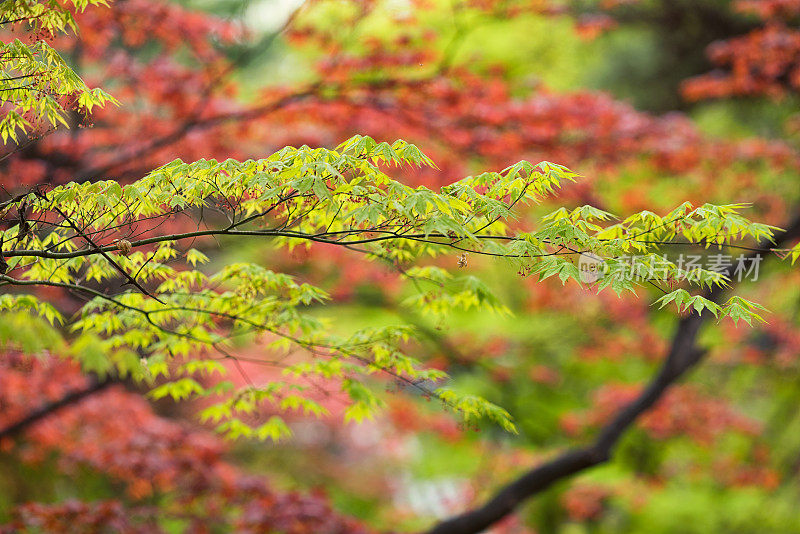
{"x":124,"y":246}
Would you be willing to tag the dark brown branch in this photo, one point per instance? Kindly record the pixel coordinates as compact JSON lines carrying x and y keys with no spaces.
{"x":20,"y":19}
{"x":109,"y":259}
{"x":323,"y":237}
{"x":682,"y":356}
{"x":73,"y":397}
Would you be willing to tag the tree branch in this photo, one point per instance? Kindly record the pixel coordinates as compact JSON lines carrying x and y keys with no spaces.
{"x":682,"y":356}
{"x":109,"y":259}
{"x":48,"y":409}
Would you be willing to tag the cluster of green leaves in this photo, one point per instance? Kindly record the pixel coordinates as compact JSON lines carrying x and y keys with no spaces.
{"x":36,"y":84}
{"x":178,"y":323}
{"x":794,"y":252}
{"x":47,"y":15}
{"x":184,"y":324}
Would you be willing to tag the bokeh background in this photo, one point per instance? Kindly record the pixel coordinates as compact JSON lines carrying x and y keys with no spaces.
{"x":653,"y":102}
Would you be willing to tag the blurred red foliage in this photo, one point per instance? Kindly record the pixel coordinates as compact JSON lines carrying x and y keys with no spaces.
{"x":399,"y":87}
{"x":765,"y":61}
{"x":395,"y":88}
{"x":584,"y":502}
{"x":683,"y":411}
{"x":116,"y":433}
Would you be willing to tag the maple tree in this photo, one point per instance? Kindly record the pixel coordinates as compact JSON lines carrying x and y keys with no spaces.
{"x":761,"y":62}
{"x":367,"y":90}
{"x":171,"y":474}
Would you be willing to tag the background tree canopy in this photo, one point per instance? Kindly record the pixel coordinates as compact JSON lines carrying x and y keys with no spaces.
{"x":426,"y":265}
